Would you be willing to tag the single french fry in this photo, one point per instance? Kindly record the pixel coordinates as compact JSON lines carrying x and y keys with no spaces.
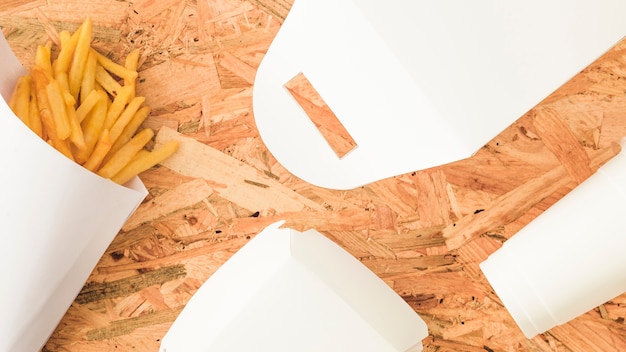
{"x":40,"y":82}
{"x":34,"y":120}
{"x":68,"y":45}
{"x":126,"y":153}
{"x":47,"y":118}
{"x":87,"y":104}
{"x":117,"y":107}
{"x":20,"y":99}
{"x":128,"y":171}
{"x":42,"y":58}
{"x":57,"y":107}
{"x":92,"y":127}
{"x":132,"y":60}
{"x":79,"y":59}
{"x":144,"y":160}
{"x":97,"y":86}
{"x":62,"y":78}
{"x":132,"y":63}
{"x":64,"y":36}
{"x":76,"y":135}
{"x":62,"y":146}
{"x":88,"y":83}
{"x":102,"y":148}
{"x":107,"y":81}
{"x":115,"y":68}
{"x":67,"y":97}
{"x":125,"y":117}
{"x":130,"y":129}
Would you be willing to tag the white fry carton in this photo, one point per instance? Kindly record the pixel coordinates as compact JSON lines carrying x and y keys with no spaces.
{"x":57,"y":220}
{"x":295,"y":291}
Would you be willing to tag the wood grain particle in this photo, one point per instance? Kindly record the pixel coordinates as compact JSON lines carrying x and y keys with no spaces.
{"x":613,"y":127}
{"x":513,"y":204}
{"x":335,"y":133}
{"x":237,"y":66}
{"x":277,"y":8}
{"x":187,"y":194}
{"x":197,"y":160}
{"x":107,"y":290}
{"x":177,"y":80}
{"x":126,"y":326}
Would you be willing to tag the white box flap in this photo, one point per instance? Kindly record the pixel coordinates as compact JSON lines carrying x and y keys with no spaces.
{"x":419,"y":84}
{"x":295,"y":291}
{"x":57,"y":220}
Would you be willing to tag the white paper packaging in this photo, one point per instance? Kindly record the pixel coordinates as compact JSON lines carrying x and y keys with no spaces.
{"x":295,"y":291}
{"x":56,"y":221}
{"x":570,"y":259}
{"x":419,"y":83}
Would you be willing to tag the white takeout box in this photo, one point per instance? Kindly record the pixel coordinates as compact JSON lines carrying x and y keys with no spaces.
{"x":290,"y":291}
{"x":419,"y":84}
{"x":56,"y":221}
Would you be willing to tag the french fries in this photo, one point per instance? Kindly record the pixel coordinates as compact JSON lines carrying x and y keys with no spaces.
{"x":85,"y":105}
{"x":20,"y":100}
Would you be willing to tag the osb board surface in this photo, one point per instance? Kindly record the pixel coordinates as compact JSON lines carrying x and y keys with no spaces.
{"x":423,"y":233}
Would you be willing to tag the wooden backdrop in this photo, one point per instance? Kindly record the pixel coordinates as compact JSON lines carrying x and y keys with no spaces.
{"x":423,"y":233}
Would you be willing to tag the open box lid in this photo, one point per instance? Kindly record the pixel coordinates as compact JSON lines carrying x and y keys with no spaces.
{"x":295,"y":291}
{"x":419,"y":83}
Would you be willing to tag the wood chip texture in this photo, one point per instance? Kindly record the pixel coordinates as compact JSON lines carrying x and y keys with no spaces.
{"x":424,"y":233}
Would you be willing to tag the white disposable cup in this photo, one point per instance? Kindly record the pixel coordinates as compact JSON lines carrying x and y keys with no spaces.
{"x":570,"y":259}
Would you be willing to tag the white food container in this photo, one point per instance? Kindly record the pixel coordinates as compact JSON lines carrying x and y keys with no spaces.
{"x":570,"y":259}
{"x":56,"y":219}
{"x":290,"y":291}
